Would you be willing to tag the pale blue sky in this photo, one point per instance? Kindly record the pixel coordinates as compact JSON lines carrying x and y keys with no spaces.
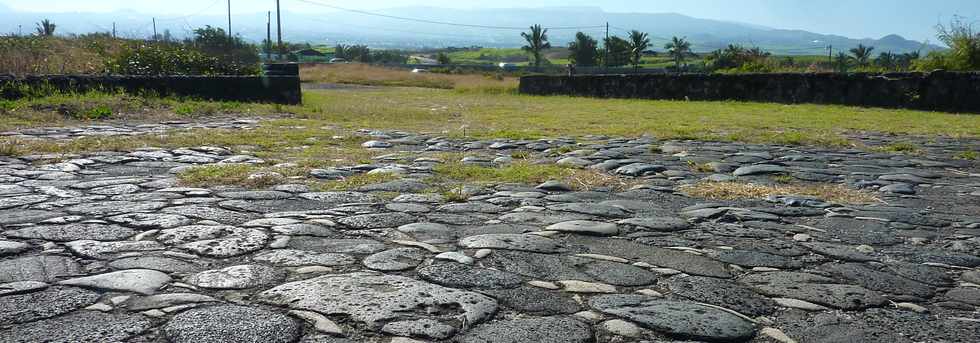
{"x":854,"y":18}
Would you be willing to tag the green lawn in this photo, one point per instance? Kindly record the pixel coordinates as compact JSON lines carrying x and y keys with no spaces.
{"x":519,"y":116}
{"x":491,"y":113}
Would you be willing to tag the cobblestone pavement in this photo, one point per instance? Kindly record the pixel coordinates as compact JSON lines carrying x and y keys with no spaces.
{"x":108,"y":247}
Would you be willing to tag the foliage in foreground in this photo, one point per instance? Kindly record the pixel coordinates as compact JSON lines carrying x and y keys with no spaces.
{"x":210,"y":52}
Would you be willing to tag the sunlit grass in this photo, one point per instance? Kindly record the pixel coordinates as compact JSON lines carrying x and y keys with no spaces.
{"x":742,"y":191}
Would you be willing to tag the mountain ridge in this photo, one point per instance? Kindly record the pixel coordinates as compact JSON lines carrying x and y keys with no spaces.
{"x":354,"y":28}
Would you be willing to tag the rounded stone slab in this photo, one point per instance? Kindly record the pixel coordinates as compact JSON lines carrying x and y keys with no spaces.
{"x":759,"y":169}
{"x":151,"y":220}
{"x":338,"y":198}
{"x":531,"y":243}
{"x":215,"y":241}
{"x":143,"y":281}
{"x":210,"y":213}
{"x":813,"y":288}
{"x":166,"y":300}
{"x":109,"y":250}
{"x":538,"y":330}
{"x":332,"y":245}
{"x":592,"y":209}
{"x":721,"y":292}
{"x":395,"y":259}
{"x":17,"y":201}
{"x":38,"y":268}
{"x":237,"y":277}
{"x":376,"y":299}
{"x":229,"y":323}
{"x":585,"y":227}
{"x":161,"y":263}
{"x":12,"y":248}
{"x":72,"y":232}
{"x":299,"y":258}
{"x":459,"y":275}
{"x":50,"y":302}
{"x":685,"y":320}
{"x":377,"y":220}
{"x":79,"y":326}
{"x":104,"y":208}
{"x":661,"y":224}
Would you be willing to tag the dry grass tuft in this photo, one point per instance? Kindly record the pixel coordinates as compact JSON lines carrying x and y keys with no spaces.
{"x":355,"y":182}
{"x":243,"y":175}
{"x":10,"y":148}
{"x":738,"y":191}
{"x":363,"y":74}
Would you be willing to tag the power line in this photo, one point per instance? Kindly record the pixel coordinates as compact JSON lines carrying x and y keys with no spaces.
{"x":427,"y":21}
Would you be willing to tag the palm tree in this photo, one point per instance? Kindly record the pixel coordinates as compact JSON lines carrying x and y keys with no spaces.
{"x":678,"y":48}
{"x":639,"y":42}
{"x":45,"y":28}
{"x":584,"y":50}
{"x":537,"y":41}
{"x":842,"y":61}
{"x":862,"y":53}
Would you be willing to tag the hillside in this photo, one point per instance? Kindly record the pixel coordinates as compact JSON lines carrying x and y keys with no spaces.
{"x":347,"y":27}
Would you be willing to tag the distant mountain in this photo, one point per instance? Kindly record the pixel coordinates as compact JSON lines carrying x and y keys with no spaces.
{"x":348,"y":27}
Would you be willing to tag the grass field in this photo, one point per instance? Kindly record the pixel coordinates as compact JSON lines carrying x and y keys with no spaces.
{"x":517,"y":116}
{"x":362,"y":74}
{"x":471,"y":110}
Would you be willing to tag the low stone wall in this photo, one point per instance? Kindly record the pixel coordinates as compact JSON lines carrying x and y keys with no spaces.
{"x":941,"y":91}
{"x":268,"y":89}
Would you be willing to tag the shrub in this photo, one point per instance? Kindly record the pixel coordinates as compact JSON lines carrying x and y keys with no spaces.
{"x":964,"y":52}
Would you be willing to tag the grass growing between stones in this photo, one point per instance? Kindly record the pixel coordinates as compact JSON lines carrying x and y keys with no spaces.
{"x":62,"y":109}
{"x":968,"y":155}
{"x":354,"y":182}
{"x":742,"y":191}
{"x":523,"y":172}
{"x":898,"y":148}
{"x":242,"y":175}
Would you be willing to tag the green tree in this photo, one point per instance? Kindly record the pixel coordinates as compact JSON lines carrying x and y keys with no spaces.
{"x":537,"y":42}
{"x":584,"y":50}
{"x":887,"y":60}
{"x":964,"y":48}
{"x":678,"y":48}
{"x":639,"y":42}
{"x":443,"y":58}
{"x":862,"y":54}
{"x":45,"y":28}
{"x":618,"y":51}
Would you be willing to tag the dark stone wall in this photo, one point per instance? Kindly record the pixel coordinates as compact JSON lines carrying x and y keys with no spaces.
{"x":268,"y":89}
{"x":941,"y":91}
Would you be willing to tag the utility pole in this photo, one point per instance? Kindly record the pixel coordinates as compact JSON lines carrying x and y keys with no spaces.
{"x":230,"y":39}
{"x":268,"y":35}
{"x":113,"y":29}
{"x":830,"y":55}
{"x":154,"y":28}
{"x":20,"y":30}
{"x":605,"y":59}
{"x":279,"y":28}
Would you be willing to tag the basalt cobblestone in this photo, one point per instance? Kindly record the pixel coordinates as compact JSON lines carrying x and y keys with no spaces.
{"x":91,"y":253}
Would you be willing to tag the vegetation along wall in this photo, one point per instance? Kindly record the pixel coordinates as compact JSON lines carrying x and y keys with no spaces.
{"x":941,"y":91}
{"x":280,"y":89}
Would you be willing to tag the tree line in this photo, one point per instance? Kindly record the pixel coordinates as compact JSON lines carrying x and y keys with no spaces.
{"x":963,"y":53}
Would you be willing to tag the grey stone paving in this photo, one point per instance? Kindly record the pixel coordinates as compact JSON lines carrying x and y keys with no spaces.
{"x":108,"y":247}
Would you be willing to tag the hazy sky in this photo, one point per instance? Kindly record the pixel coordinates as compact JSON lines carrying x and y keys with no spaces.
{"x":913,"y":19}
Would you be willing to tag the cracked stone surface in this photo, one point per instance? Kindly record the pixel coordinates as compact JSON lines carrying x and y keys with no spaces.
{"x":108,"y":246}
